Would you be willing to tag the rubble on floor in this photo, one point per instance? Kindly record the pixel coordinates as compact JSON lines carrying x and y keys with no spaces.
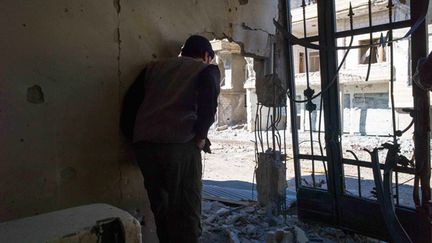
{"x":253,"y":224}
{"x":230,"y":128}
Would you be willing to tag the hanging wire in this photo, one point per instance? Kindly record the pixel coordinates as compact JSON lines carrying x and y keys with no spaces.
{"x":358,"y":173}
{"x":392,"y":99}
{"x":259,"y":127}
{"x":308,"y":93}
{"x":370,"y":41}
{"x":256,"y":164}
{"x":320,"y":142}
{"x":416,"y":78}
{"x":267,"y":128}
{"x":331,"y":82}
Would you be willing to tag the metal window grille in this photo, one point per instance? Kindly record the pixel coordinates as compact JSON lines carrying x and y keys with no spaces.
{"x":321,"y":180}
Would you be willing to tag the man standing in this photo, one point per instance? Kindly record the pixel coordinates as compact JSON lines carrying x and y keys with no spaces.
{"x":177,"y":109}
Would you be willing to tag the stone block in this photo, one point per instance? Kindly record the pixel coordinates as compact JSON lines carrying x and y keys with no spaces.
{"x":300,"y":235}
{"x":271,"y":179}
{"x":85,"y":224}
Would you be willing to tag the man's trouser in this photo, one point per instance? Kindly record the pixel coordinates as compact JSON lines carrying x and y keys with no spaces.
{"x":172,"y":176}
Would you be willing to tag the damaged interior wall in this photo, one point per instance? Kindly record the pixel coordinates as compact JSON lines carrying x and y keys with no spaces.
{"x":64,"y":69}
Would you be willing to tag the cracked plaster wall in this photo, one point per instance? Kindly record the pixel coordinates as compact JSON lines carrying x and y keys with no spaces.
{"x":65,"y":149}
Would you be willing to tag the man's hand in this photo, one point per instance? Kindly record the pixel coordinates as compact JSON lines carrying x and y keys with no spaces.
{"x":200,"y":143}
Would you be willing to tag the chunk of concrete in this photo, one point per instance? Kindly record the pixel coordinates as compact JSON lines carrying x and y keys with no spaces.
{"x":300,"y":235}
{"x":89,"y":223}
{"x":271,"y":180}
{"x":222,"y":128}
{"x":288,"y":237}
{"x":270,"y":237}
{"x":233,"y":237}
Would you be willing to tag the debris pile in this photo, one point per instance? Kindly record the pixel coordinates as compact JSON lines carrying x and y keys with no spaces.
{"x":233,"y":127}
{"x":253,"y":224}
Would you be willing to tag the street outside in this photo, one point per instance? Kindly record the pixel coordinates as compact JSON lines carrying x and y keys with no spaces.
{"x":233,"y":159}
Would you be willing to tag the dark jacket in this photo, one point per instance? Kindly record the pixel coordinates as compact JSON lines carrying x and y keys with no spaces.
{"x":171,"y":101}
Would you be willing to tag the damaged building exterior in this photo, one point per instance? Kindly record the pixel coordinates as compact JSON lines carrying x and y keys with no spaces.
{"x":366,"y":105}
{"x":232,"y":98}
{"x":237,"y":104}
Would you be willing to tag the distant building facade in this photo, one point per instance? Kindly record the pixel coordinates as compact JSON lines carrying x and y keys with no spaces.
{"x":365,"y":105}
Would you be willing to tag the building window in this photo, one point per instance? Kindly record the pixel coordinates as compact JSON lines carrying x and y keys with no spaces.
{"x":371,"y":101}
{"x":314,"y":62}
{"x":375,"y":53}
{"x":347,"y":101}
{"x":299,"y":107}
{"x":226,"y":83}
{"x":301,"y":63}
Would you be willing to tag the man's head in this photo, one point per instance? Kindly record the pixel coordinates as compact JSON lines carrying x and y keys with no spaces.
{"x":197,"y":46}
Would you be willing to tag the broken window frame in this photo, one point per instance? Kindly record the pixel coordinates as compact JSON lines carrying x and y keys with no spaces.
{"x":313,"y":63}
{"x":334,"y":206}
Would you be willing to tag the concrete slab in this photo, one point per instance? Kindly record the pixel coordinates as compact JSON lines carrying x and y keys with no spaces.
{"x":89,"y":223}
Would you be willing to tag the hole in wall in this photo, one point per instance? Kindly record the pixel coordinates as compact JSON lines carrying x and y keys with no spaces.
{"x":35,"y":95}
{"x":232,"y":161}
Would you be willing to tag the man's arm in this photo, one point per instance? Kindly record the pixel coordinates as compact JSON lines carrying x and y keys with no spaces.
{"x":208,"y":90}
